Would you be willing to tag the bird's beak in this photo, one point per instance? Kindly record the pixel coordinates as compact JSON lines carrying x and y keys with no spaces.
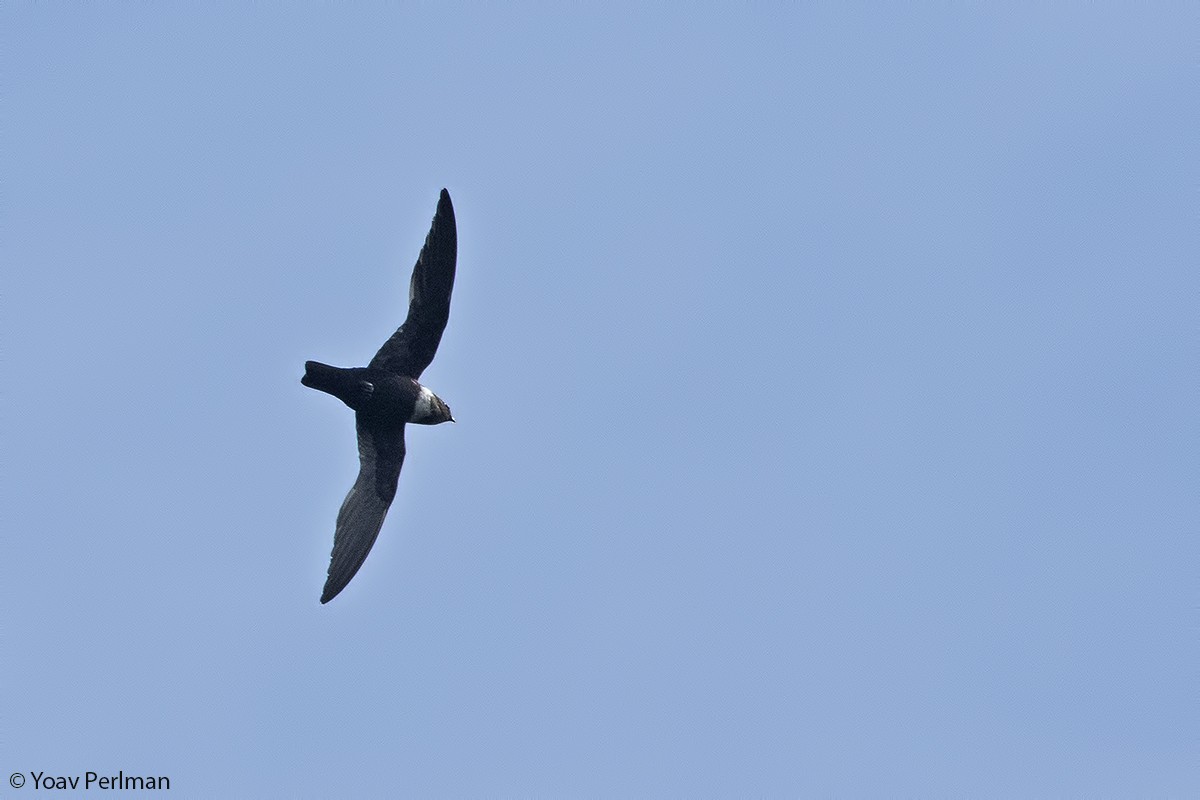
{"x":452,"y":419}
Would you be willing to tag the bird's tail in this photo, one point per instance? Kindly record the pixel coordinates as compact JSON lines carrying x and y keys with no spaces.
{"x":344,"y":384}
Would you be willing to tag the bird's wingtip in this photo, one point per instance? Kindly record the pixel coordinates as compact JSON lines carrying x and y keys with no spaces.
{"x":328,"y":593}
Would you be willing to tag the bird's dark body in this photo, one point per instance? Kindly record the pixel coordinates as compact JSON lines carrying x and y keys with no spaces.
{"x":375,"y":394}
{"x":386,"y":395}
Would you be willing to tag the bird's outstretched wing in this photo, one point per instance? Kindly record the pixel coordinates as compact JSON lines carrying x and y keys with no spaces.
{"x":411,"y":347}
{"x":380,"y":455}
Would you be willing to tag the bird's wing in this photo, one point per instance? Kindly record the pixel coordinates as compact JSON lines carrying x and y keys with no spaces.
{"x":380,"y":455}
{"x":411,"y":347}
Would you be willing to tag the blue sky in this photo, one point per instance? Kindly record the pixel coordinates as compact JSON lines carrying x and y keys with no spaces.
{"x":825,"y":377}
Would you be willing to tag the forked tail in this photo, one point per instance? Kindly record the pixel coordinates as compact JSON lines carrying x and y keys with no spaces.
{"x":347,"y":385}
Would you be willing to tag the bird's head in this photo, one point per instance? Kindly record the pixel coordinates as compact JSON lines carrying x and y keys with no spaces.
{"x":443,"y":411}
{"x":430,"y":409}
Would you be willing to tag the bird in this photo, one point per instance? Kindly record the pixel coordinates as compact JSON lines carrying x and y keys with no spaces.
{"x":386,"y":395}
